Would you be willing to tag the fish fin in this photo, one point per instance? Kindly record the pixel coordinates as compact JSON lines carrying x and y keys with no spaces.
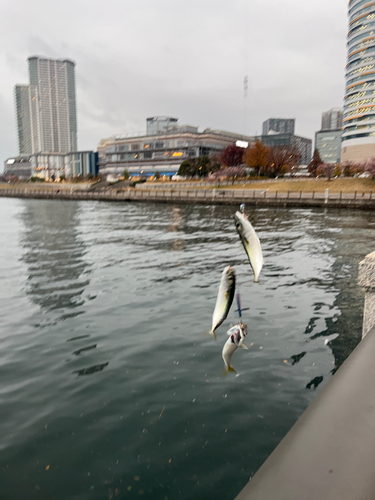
{"x":243,"y":346}
{"x":213,"y":334}
{"x":209,"y":333}
{"x":228,"y":370}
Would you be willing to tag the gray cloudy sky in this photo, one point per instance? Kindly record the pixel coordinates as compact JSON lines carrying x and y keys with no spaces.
{"x":187,"y":59}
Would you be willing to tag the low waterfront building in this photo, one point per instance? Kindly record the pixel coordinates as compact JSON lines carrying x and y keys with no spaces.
{"x":55,"y":165}
{"x":162,"y":148}
{"x":19,"y":166}
{"x":82,"y":164}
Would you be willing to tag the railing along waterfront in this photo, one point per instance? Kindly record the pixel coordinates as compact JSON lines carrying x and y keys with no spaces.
{"x":211,"y":184}
{"x":205,"y":196}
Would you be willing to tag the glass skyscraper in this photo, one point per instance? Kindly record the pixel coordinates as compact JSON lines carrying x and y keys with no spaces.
{"x":358,"y":139}
{"x":46,"y":108}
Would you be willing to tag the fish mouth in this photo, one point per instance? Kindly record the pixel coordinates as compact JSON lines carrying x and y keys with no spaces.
{"x":238,"y":221}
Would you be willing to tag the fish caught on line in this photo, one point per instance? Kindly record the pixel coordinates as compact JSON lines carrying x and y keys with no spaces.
{"x":237,"y":335}
{"x":250,"y":242}
{"x":224,"y":298}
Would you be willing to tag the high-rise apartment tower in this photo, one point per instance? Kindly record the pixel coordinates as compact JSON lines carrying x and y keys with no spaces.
{"x":27,"y":114}
{"x":46,"y":108}
{"x":358,"y":138}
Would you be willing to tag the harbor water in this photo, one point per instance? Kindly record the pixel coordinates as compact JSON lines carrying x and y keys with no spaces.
{"x":109,"y":387}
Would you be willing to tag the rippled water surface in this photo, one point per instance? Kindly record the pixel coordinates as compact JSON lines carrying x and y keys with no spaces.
{"x":108,"y":387}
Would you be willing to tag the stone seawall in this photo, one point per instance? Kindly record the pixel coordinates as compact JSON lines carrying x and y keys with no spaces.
{"x":209,"y":197}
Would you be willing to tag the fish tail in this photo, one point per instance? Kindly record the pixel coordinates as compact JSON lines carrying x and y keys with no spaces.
{"x":213,"y":334}
{"x":231,"y":369}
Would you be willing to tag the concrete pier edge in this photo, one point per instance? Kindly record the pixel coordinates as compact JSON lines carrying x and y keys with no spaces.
{"x":205,"y":197}
{"x":330,"y":450}
{"x":366,"y":279}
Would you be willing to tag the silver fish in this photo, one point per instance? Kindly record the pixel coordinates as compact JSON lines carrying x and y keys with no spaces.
{"x":224,"y":298}
{"x":250,"y":242}
{"x":237,"y":335}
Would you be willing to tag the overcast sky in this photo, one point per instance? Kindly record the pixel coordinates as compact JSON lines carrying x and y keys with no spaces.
{"x":186,"y":59}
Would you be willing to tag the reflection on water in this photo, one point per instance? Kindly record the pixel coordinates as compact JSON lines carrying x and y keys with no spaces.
{"x":54,"y":254}
{"x":122,"y":293}
{"x":92,"y":369}
{"x":297,"y":357}
{"x":178,"y":243}
{"x":314,"y":382}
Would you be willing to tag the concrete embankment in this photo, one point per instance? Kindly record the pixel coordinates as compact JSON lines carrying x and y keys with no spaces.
{"x":364,"y":201}
{"x":329,"y":452}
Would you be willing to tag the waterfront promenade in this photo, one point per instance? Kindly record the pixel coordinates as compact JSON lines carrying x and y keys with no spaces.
{"x":215,"y":196}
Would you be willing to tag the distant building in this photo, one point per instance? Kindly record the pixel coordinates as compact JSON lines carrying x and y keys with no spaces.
{"x":279,"y":126}
{"x":52,"y":166}
{"x":328,"y":143}
{"x":162,"y":151}
{"x":332,"y":119}
{"x":28,"y":119}
{"x":358,"y":138}
{"x":303,"y":145}
{"x":82,"y":163}
{"x":160,"y":125}
{"x":46,"y":108}
{"x":19,"y":166}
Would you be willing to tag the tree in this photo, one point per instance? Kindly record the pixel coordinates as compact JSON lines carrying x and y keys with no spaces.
{"x":314,"y":163}
{"x":338,"y":170}
{"x":232,"y":156}
{"x":186,"y":169}
{"x":202,"y":166}
{"x":126,"y":175}
{"x":326,"y":169}
{"x":257,"y":156}
{"x":370,"y":167}
{"x":199,"y":167}
{"x":281,"y":159}
{"x":214,"y":162}
{"x":347,"y":169}
{"x":157,"y":175}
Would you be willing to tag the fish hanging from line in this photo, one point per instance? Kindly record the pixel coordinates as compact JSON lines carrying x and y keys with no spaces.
{"x":224,"y":298}
{"x":250,"y":242}
{"x":237,"y":335}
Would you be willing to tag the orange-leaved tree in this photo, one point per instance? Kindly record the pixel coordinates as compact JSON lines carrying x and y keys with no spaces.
{"x":256,"y":156}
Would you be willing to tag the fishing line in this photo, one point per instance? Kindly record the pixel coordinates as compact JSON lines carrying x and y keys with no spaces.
{"x":239,"y":306}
